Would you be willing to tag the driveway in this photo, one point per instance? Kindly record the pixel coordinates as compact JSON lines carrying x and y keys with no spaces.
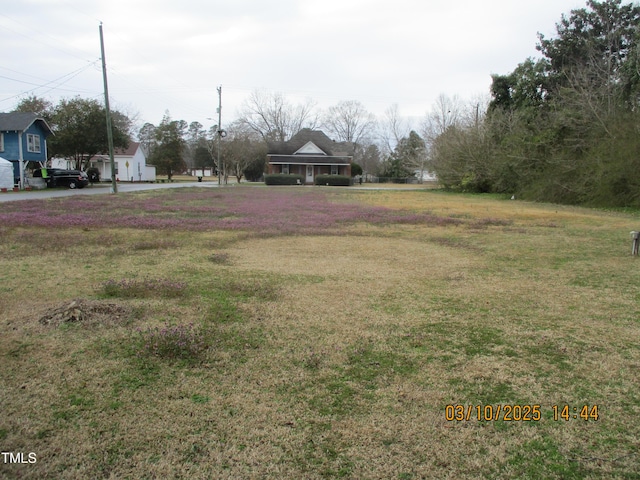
{"x":97,"y":190}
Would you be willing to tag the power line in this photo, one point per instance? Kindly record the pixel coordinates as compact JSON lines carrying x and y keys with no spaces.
{"x":52,"y":42}
{"x":49,"y":84}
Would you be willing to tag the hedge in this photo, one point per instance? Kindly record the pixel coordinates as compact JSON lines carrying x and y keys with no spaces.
{"x":333,"y":180}
{"x":283,"y":179}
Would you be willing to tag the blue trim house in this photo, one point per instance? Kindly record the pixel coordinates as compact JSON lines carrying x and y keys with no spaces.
{"x":23,"y":138}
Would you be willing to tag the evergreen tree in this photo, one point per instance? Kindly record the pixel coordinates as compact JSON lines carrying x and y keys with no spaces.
{"x":168,"y":153}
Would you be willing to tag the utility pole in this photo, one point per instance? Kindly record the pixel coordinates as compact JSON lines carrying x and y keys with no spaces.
{"x":219,"y":132}
{"x":477,"y":114}
{"x":114,"y":185}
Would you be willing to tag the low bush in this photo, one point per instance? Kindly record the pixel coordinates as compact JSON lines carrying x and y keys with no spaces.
{"x":283,"y":179}
{"x":333,"y":180}
{"x":94,"y":175}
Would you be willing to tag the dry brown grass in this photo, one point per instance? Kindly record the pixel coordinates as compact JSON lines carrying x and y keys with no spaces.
{"x":333,"y":356}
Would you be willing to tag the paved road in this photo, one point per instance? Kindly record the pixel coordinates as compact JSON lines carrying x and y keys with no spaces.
{"x":97,"y":190}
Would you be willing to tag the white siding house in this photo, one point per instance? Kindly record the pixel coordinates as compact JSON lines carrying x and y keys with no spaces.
{"x":131,"y":165}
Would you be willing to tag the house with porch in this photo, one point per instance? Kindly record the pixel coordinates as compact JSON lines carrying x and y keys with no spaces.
{"x":131,"y":164}
{"x":310,"y":153}
{"x":23,"y":139}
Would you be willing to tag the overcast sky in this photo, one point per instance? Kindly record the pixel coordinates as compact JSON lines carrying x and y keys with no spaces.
{"x":171,"y":55}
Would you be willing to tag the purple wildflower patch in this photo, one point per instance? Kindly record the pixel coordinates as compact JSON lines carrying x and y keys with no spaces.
{"x":268,"y":211}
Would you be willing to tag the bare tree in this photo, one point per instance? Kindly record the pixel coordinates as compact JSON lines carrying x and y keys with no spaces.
{"x":273,"y":117}
{"x":147,"y":137}
{"x":195,"y":138}
{"x":241,"y":148}
{"x":349,"y":121}
{"x":446,"y":112}
{"x":393,"y":128}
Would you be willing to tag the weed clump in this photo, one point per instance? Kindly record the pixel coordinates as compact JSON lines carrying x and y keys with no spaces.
{"x":219,"y":258}
{"x":185,"y":342}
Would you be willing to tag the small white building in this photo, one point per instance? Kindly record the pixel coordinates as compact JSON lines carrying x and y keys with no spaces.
{"x":131,"y":165}
{"x":426,"y":176}
{"x":203,"y":172}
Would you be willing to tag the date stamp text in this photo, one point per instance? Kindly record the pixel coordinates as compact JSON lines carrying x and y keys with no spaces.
{"x":518,"y":413}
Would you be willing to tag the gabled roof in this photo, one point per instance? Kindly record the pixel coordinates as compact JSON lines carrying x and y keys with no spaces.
{"x":21,"y":121}
{"x":130,"y":151}
{"x":309,"y":148}
{"x":306,"y":136}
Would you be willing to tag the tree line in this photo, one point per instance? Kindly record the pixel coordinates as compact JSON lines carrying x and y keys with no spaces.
{"x":264,"y":117}
{"x":561,"y":128}
{"x":175,"y":146}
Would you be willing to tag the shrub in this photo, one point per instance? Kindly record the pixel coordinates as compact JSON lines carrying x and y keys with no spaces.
{"x":94,"y":175}
{"x":173,"y":341}
{"x":333,"y":180}
{"x":283,"y":179}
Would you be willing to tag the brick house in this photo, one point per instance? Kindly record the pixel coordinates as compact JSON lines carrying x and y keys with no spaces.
{"x":310,"y":153}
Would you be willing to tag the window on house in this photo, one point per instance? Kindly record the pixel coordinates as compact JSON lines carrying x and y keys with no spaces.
{"x":334,"y":169}
{"x":285,"y":169}
{"x":33,"y":143}
{"x":1,"y":142}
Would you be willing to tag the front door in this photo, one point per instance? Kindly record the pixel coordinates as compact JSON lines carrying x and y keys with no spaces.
{"x":309,"y":174}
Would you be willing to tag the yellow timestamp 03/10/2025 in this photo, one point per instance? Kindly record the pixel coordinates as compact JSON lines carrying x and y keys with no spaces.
{"x":489,"y":413}
{"x":519,"y":413}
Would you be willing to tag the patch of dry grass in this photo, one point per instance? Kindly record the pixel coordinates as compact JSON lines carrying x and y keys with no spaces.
{"x":332,"y":356}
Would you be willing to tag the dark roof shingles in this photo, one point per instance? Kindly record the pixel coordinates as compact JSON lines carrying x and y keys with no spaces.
{"x":305,"y":136}
{"x":19,"y":121}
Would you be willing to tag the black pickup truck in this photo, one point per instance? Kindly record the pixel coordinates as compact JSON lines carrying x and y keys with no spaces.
{"x":58,"y":177}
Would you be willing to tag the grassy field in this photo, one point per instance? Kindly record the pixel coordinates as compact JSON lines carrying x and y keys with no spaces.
{"x":317,"y":333}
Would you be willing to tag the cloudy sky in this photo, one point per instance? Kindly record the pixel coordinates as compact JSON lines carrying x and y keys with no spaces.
{"x":171,"y":55}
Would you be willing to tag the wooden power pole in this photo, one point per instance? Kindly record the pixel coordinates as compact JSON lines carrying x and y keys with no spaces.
{"x":114,"y":184}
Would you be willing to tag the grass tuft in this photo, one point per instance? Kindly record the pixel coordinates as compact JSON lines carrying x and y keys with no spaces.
{"x":185,"y":342}
{"x":219,"y":258}
{"x":150,"y":287}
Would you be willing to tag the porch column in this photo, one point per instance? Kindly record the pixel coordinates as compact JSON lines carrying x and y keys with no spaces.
{"x":20,"y":161}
